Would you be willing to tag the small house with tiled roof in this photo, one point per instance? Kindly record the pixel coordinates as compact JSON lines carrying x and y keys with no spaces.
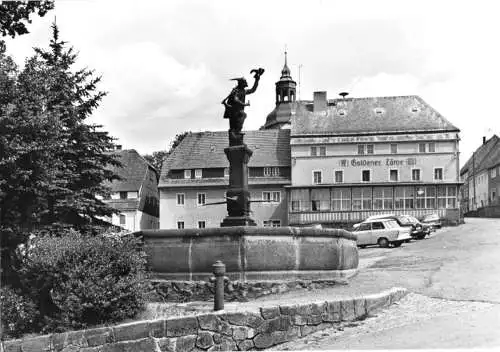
{"x":481,"y":176}
{"x":357,"y":157}
{"x":135,"y":195}
{"x":195,"y":178}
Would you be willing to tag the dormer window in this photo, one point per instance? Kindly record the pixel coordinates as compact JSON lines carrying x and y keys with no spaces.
{"x":379,"y":111}
{"x":414,"y":109}
{"x":341,"y":112}
{"x":187,"y":173}
{"x":226,"y":172}
{"x":197,"y":173}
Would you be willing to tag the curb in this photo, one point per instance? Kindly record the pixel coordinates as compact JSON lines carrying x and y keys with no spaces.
{"x":259,"y":328}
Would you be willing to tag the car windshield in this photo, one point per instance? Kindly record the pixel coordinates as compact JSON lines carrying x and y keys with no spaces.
{"x":432,"y":217}
{"x":404,"y":220}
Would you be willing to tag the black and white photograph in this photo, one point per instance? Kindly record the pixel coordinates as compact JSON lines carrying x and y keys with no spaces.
{"x":231,"y":175}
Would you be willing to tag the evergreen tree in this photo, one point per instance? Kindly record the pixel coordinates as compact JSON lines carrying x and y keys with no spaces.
{"x":52,"y":163}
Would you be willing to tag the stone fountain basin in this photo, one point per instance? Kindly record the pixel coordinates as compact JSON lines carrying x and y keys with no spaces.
{"x":252,"y":253}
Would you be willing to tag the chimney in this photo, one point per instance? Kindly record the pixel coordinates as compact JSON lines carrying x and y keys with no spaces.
{"x":320,"y":103}
{"x":484,"y":139}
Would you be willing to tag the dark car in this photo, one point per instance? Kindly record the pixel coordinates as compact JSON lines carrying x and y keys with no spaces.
{"x":432,"y":220}
{"x":418,"y":230}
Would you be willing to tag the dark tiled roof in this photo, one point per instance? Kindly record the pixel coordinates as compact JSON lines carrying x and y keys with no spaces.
{"x":370,"y":115}
{"x":206,"y":150}
{"x":481,"y":156}
{"x":493,"y":158}
{"x":124,"y":204}
{"x":133,"y":170}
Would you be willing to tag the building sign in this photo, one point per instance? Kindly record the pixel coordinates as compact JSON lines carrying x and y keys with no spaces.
{"x":383,"y":162}
{"x":379,"y":138}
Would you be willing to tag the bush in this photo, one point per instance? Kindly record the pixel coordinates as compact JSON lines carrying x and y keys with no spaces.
{"x":19,"y":314}
{"x":80,"y":281}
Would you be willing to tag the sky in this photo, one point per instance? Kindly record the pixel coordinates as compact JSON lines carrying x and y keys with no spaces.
{"x":167,"y":65}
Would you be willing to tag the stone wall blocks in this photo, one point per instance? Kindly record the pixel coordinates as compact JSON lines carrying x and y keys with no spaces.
{"x":99,"y":336}
{"x":227,"y":344}
{"x":181,"y":326}
{"x":270,"y":312}
{"x":245,"y":345}
{"x":309,"y":329}
{"x":167,"y":344}
{"x":244,"y":319}
{"x":68,"y":341}
{"x":318,"y":308}
{"x":243,"y":333}
{"x":314,"y":319}
{"x":133,"y":331}
{"x":204,"y":340}
{"x":36,"y":344}
{"x":347,"y":310}
{"x":360,"y":308}
{"x":158,"y":328}
{"x":376,"y":301}
{"x":185,"y":343}
{"x":288,"y":309}
{"x":12,"y":346}
{"x":299,"y":320}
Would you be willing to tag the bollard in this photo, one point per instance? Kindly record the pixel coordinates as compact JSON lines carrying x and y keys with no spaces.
{"x":219,"y":271}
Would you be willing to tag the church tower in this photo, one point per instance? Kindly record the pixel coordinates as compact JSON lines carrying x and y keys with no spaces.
{"x":286,"y":89}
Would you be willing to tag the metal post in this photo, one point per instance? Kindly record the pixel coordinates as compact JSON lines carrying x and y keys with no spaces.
{"x":219,"y":269}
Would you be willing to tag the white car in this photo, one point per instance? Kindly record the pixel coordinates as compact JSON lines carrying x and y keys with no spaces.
{"x":383,"y":232}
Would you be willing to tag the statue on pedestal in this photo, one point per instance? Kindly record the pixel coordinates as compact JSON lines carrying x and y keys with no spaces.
{"x":235,"y":104}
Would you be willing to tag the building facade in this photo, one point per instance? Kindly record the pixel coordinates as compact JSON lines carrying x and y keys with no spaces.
{"x":480,"y":176}
{"x":333,"y":162}
{"x":195,"y":178}
{"x":135,"y":195}
{"x":357,"y":157}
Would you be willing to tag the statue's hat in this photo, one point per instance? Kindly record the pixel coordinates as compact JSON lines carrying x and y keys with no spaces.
{"x":239,"y":79}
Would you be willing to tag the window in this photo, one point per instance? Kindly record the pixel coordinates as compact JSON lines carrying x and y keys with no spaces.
{"x":123,"y":219}
{"x":187,"y":173}
{"x":274,"y":196}
{"x":382,"y":198}
{"x":314,"y":151}
{"x":322,"y":151}
{"x":320,"y":199}
{"x":394,"y":148}
{"x":361,"y":199}
{"x":341,"y":199}
{"x":197,"y":173}
{"x":415,"y":174}
{"x":271,"y":171}
{"x":180,"y":198}
{"x":377,"y":226}
{"x":201,"y":198}
{"x":339,"y":176}
{"x":226,"y":172}
{"x":447,"y":197}
{"x":365,"y":227}
{"x":438,"y":174}
{"x":365,"y":149}
{"x":123,"y":195}
{"x":365,"y":175}
{"x":317,"y":179}
{"x":180,"y":225}
{"x":425,"y":197}
{"x":404,"y":197}
{"x":299,"y":200}
{"x":421,"y":147}
{"x":272,"y":223}
{"x":432,"y":147}
{"x":132,"y":195}
{"x":492,"y":173}
{"x":393,"y":175}
{"x":201,"y":224}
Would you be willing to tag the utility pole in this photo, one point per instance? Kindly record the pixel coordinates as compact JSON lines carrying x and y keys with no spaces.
{"x":474,"y":180}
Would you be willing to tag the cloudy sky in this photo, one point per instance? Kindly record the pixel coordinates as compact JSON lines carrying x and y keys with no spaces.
{"x":167,"y":64}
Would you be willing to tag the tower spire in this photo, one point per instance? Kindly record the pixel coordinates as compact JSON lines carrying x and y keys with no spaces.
{"x":285,"y":72}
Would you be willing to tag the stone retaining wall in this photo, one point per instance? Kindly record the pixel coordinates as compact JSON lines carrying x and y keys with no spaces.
{"x":219,"y":331}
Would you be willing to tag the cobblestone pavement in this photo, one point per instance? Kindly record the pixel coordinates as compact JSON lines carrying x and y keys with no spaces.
{"x":454,"y":300}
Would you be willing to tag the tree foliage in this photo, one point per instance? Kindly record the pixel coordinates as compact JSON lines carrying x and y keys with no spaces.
{"x":15,"y":14}
{"x":52,"y":163}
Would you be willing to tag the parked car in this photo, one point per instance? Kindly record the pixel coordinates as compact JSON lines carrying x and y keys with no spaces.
{"x":432,"y":220}
{"x":418,"y":230}
{"x":383,"y":232}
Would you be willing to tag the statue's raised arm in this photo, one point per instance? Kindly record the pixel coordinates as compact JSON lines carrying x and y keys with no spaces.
{"x":235,"y":102}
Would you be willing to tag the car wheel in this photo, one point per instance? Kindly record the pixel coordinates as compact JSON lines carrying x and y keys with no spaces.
{"x":421,"y":236}
{"x":397,"y":244}
{"x":383,"y":242}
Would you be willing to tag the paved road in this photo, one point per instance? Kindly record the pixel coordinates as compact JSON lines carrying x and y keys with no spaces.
{"x":454,"y":281}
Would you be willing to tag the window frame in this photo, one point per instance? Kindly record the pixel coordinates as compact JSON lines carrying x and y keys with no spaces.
{"x":183,"y":199}
{"x":204,"y":222}
{"x":335,"y":175}
{"x":181,"y":225}
{"x":434,"y":174}
{"x":396,"y":148}
{"x":419,"y":174}
{"x":313,"y":150}
{"x":369,"y":175}
{"x":320,"y":177}
{"x":187,"y":173}
{"x":271,"y":196}
{"x":271,"y":223}
{"x":397,"y":175}
{"x":198,"y":173}
{"x":433,"y":147}
{"x":198,"y":194}
{"x":420,"y":149}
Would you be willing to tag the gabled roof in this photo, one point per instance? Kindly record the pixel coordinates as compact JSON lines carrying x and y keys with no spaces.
{"x":481,"y":157}
{"x":133,"y":171}
{"x":206,"y":150}
{"x":370,"y":115}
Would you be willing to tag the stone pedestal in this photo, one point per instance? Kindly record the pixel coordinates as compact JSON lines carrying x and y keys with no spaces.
{"x":238,"y":196}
